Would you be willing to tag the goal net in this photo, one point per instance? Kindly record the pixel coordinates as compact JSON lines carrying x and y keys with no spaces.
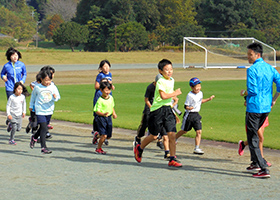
{"x":203,"y":52}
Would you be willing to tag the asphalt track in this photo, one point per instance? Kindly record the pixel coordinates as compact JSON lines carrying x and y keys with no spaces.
{"x":74,"y":171}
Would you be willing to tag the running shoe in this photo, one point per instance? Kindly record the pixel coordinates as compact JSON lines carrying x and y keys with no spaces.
{"x":48,"y":136}
{"x":241,"y":147}
{"x":50,"y":126}
{"x":9,"y":128}
{"x":94,"y":140}
{"x":136,"y":141}
{"x":262,"y":174}
{"x":32,"y":142}
{"x":268,"y":163}
{"x":198,"y":151}
{"x":46,"y":151}
{"x":160,"y":144}
{"x":12,"y":142}
{"x":39,"y":140}
{"x":253,"y":168}
{"x":137,"y":154}
{"x":100,"y":151}
{"x":174,"y":163}
{"x":106,"y":142}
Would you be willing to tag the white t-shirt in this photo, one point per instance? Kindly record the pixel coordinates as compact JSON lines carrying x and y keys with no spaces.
{"x":16,"y":105}
{"x":194,"y":100}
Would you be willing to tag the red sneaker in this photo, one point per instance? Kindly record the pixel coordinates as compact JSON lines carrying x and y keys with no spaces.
{"x":174,"y":163}
{"x":137,"y":154}
{"x":95,"y":137}
{"x":100,"y":151}
{"x":262,"y":174}
{"x":50,"y":126}
{"x":241,"y":147}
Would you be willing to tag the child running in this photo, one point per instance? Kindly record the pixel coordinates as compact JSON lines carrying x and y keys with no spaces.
{"x":161,"y":115}
{"x":104,"y":72}
{"x":191,"y":118}
{"x":43,"y":97}
{"x":16,"y":109}
{"x":104,"y":109}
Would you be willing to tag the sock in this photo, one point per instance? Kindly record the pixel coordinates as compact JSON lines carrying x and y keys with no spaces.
{"x":166,"y":152}
{"x":139,"y":149}
{"x":196,"y":146}
{"x":171,"y":158}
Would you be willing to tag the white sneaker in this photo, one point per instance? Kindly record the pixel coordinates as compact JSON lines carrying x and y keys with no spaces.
{"x":198,"y":151}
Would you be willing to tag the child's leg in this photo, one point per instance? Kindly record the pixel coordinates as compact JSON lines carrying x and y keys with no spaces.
{"x":101,"y":140}
{"x":180,"y":133}
{"x":143,"y":126}
{"x":166,"y":142}
{"x":148,"y":140}
{"x":42,"y":132}
{"x":172,"y":145}
{"x":198,"y":138}
{"x":13,"y":130}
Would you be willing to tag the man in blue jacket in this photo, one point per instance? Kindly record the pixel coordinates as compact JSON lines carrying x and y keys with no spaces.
{"x":260,"y":78}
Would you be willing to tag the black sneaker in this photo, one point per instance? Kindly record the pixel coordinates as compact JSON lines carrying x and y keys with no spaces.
{"x":48,"y":136}
{"x":46,"y":151}
{"x":32,"y":142}
{"x":253,"y":168}
{"x":27,"y":129}
{"x":106,"y":142}
{"x":160,"y":144}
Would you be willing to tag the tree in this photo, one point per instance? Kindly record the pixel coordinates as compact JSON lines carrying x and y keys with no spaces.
{"x":65,"y":8}
{"x":55,"y":21}
{"x":131,"y":36}
{"x":70,"y":33}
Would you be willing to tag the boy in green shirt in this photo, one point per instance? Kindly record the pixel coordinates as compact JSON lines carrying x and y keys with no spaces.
{"x":161,"y":115}
{"x":104,"y":109}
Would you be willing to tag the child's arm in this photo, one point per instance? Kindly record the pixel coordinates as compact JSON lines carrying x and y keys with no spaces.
{"x":23,"y":108}
{"x":8,"y":109}
{"x":147,"y":102}
{"x":164,"y":95}
{"x":209,"y":99}
{"x":175,"y":101}
{"x":114,"y":114}
{"x":275,"y":98}
{"x":97,"y":85}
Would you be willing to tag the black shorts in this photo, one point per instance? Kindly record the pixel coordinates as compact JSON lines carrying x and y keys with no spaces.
{"x":162,"y":118}
{"x":191,"y":120}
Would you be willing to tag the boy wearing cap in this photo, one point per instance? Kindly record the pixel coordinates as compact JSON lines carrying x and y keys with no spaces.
{"x":192,"y":118}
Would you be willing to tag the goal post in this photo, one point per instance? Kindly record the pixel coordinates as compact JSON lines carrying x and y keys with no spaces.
{"x":206,"y":52}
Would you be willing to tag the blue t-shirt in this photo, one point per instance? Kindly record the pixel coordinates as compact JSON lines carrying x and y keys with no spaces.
{"x":100,"y":76}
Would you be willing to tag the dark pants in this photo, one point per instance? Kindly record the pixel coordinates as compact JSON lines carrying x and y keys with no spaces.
{"x":253,"y":122}
{"x":143,"y":125}
{"x":9,"y":93}
{"x":43,"y":121}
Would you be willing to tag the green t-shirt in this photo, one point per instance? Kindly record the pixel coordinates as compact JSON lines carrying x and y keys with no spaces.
{"x":104,"y":105}
{"x":166,"y":86}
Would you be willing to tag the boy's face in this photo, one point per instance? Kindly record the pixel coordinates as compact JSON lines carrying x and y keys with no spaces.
{"x":196,"y":89}
{"x":167,"y":71}
{"x":105,"y":92}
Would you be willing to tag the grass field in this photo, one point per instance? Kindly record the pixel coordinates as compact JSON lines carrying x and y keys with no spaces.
{"x":223,"y":118}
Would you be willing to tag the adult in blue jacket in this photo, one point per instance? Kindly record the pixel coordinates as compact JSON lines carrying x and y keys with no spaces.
{"x":13,"y":71}
{"x":260,"y":78}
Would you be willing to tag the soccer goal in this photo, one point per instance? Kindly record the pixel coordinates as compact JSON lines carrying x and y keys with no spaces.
{"x":204,"y":52}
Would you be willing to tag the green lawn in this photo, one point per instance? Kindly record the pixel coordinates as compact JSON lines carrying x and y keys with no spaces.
{"x":222,"y":118}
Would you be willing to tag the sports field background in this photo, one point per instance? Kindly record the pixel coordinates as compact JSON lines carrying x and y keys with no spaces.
{"x":223,"y":118}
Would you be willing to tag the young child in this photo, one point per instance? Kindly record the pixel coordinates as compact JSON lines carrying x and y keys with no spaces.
{"x":104,"y":72}
{"x":104,"y":109}
{"x":161,"y":114}
{"x":191,"y":118}
{"x":43,"y":97}
{"x":16,"y":109}
{"x":95,"y":132}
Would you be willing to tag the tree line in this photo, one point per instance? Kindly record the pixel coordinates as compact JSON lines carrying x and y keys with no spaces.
{"x":124,"y":25}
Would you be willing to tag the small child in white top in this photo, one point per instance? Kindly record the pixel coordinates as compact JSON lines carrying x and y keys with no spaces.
{"x":16,"y":109}
{"x":192,"y":118}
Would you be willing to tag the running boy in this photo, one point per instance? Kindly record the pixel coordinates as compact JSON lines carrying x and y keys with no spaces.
{"x":161,"y":115}
{"x":191,"y":118}
{"x":104,"y":109}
